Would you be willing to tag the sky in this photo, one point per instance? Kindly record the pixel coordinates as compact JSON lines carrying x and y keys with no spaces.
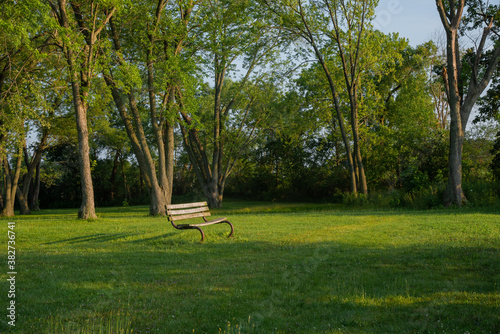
{"x":416,"y":20}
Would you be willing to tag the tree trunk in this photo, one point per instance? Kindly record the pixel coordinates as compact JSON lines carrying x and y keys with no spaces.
{"x":125,"y":183}
{"x":87,"y":208}
{"x":35,"y":190}
{"x":112,"y":178}
{"x":164,"y":195}
{"x":214,"y":197}
{"x":360,"y":169}
{"x":157,"y":190}
{"x":12,"y":180}
{"x":340,"y":119}
{"x":24,"y":208}
{"x":209,"y":174}
{"x":454,"y":193}
{"x":157,"y":206}
{"x":169,"y":138}
{"x":460,"y":104}
{"x":214,"y":193}
{"x":137,"y":137}
{"x":199,"y":160}
{"x":32,"y":165}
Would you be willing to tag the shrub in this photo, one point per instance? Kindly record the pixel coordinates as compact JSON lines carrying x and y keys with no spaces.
{"x":422,"y":199}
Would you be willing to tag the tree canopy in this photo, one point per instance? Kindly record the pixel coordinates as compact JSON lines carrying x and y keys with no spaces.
{"x":128,"y":102}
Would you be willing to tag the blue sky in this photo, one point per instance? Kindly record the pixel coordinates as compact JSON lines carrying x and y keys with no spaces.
{"x":416,"y":20}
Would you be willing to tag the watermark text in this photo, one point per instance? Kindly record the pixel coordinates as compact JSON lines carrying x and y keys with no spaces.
{"x":11,"y":273}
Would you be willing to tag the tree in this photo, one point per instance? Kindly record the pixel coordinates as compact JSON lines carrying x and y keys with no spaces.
{"x":495,"y":164}
{"x":490,"y":104}
{"x":24,"y":43}
{"x":294,"y":18}
{"x":437,"y":85}
{"x":465,"y":80}
{"x":349,"y":20}
{"x":80,"y":24}
{"x":40,"y":127}
{"x":341,"y":39}
{"x":156,"y":44}
{"x":404,"y":129}
{"x":11,"y":180}
{"x":232,"y":31}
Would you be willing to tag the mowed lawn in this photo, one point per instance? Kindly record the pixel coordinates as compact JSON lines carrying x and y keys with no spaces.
{"x":289,"y":269}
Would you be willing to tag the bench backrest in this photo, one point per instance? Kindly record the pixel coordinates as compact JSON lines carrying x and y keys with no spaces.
{"x":187,"y":211}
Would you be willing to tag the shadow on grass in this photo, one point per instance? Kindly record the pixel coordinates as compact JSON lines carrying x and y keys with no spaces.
{"x":156,"y":238}
{"x":263,"y":287}
{"x":99,"y":237}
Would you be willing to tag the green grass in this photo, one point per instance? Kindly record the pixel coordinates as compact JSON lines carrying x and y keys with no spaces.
{"x":291,"y":268}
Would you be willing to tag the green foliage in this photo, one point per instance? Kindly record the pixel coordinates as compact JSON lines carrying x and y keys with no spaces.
{"x":490,"y":103}
{"x":482,"y":194}
{"x":423,"y":198}
{"x":290,"y":169}
{"x":61,"y":179}
{"x":23,"y":30}
{"x":480,"y":12}
{"x":278,"y":123}
{"x":495,"y":163}
{"x":407,"y":144}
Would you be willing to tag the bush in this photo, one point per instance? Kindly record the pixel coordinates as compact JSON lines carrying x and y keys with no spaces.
{"x":422,"y":199}
{"x":482,"y":194}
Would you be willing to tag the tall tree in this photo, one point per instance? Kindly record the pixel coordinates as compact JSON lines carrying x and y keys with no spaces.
{"x":46,"y":103}
{"x":402,"y":119}
{"x":232,"y":31}
{"x":466,"y":80}
{"x":80,"y":24}
{"x":294,"y":17}
{"x":349,"y":20}
{"x":156,"y":44}
{"x":341,"y":39}
{"x":437,"y":85}
{"x":23,"y":43}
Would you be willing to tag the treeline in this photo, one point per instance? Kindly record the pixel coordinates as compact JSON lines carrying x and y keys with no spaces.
{"x":122,"y":103}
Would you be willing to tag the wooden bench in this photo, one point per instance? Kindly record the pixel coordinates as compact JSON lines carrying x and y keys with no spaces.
{"x":178,"y":212}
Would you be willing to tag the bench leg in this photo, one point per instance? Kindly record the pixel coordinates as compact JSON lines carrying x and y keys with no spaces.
{"x":191,"y":227}
{"x":201,"y":231}
{"x":232,"y":229}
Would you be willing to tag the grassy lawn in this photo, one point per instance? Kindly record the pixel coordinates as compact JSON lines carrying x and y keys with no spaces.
{"x":289,"y":269}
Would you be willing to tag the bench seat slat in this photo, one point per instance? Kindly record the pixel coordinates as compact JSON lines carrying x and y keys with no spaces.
{"x":211,"y":222}
{"x":188,"y":216}
{"x":186,"y":211}
{"x":186,"y":205}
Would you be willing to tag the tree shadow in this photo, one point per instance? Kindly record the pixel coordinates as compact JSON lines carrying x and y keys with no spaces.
{"x":98,"y":237}
{"x":155,"y":238}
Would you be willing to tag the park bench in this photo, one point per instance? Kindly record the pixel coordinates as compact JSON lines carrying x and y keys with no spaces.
{"x":177,"y":212}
